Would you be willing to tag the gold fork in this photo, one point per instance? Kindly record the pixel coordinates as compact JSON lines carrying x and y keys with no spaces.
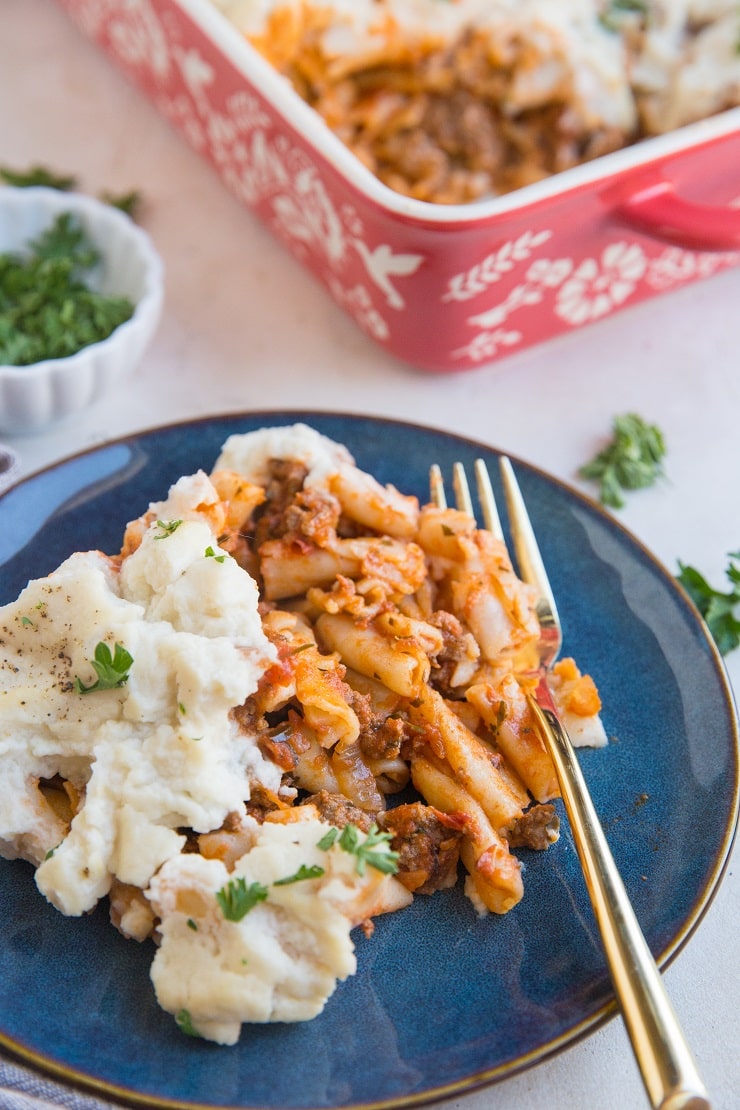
{"x":667,"y":1067}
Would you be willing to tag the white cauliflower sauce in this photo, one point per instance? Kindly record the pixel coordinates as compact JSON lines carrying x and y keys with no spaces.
{"x":282,"y":959}
{"x":221,"y":761}
{"x":250,"y":454}
{"x":156,"y":753}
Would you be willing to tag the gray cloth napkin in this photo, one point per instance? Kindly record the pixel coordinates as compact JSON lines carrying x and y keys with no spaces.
{"x":24,"y":1089}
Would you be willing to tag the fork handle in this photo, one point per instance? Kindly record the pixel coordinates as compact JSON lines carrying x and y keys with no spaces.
{"x":666,"y":1064}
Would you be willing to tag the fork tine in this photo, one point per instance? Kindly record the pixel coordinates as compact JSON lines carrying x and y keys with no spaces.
{"x":437,"y":486}
{"x":526,"y":549}
{"x":463,"y":500}
{"x":487,"y":500}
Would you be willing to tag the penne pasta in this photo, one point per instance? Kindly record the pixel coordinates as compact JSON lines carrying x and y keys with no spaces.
{"x":402,"y":667}
{"x":289,"y":569}
{"x":473,"y":765}
{"x":495,"y":879}
{"x":376,"y":507}
{"x":503,"y":707}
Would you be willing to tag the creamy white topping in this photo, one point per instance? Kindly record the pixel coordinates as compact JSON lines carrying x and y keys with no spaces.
{"x":282,"y":959}
{"x":156,"y":753}
{"x":249,"y":454}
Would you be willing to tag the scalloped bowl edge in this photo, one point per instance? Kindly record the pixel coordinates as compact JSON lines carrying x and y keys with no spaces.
{"x":32,"y":397}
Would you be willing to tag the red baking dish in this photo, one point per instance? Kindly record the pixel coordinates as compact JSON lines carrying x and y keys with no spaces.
{"x":441,"y":287}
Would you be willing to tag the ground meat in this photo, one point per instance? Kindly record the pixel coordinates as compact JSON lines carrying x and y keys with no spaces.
{"x":313,"y":514}
{"x":427,"y":841}
{"x":455,"y":149}
{"x":442,"y":128}
{"x":286,"y":479}
{"x":338,"y":811}
{"x":279,"y":751}
{"x":384,"y":742}
{"x":537,"y":828}
{"x":456,"y":649}
{"x":380,"y":735}
{"x":428,"y":844}
{"x":262,"y":801}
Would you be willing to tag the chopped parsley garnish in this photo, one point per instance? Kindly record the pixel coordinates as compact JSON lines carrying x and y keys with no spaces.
{"x":236,"y":899}
{"x":185,"y":1023}
{"x":112,"y":669}
{"x":192,"y":925}
{"x":35,"y":176}
{"x":129,"y":202}
{"x":166,"y":528}
{"x":615,"y":9}
{"x":632,"y":460}
{"x":304,"y":872}
{"x":721,"y":611}
{"x":366,"y":850}
{"x":211,"y":554}
{"x":46,"y":308}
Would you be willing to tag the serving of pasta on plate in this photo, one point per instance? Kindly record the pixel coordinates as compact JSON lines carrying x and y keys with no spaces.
{"x":294,"y":700}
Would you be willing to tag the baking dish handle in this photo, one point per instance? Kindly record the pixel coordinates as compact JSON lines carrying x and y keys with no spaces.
{"x":657,"y":208}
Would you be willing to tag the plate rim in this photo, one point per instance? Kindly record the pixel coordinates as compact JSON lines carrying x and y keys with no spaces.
{"x":79,"y":1080}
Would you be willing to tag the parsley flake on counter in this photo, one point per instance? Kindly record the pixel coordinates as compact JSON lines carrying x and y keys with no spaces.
{"x":112,"y":669}
{"x":718,"y":609}
{"x":127,"y":202}
{"x":35,"y":176}
{"x":236,"y":899}
{"x":46,"y":308}
{"x":632,"y":460}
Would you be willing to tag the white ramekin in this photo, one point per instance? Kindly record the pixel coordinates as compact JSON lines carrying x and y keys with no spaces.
{"x":33,"y":397}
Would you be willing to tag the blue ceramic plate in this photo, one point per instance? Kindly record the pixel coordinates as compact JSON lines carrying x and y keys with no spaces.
{"x":442,"y":1001}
